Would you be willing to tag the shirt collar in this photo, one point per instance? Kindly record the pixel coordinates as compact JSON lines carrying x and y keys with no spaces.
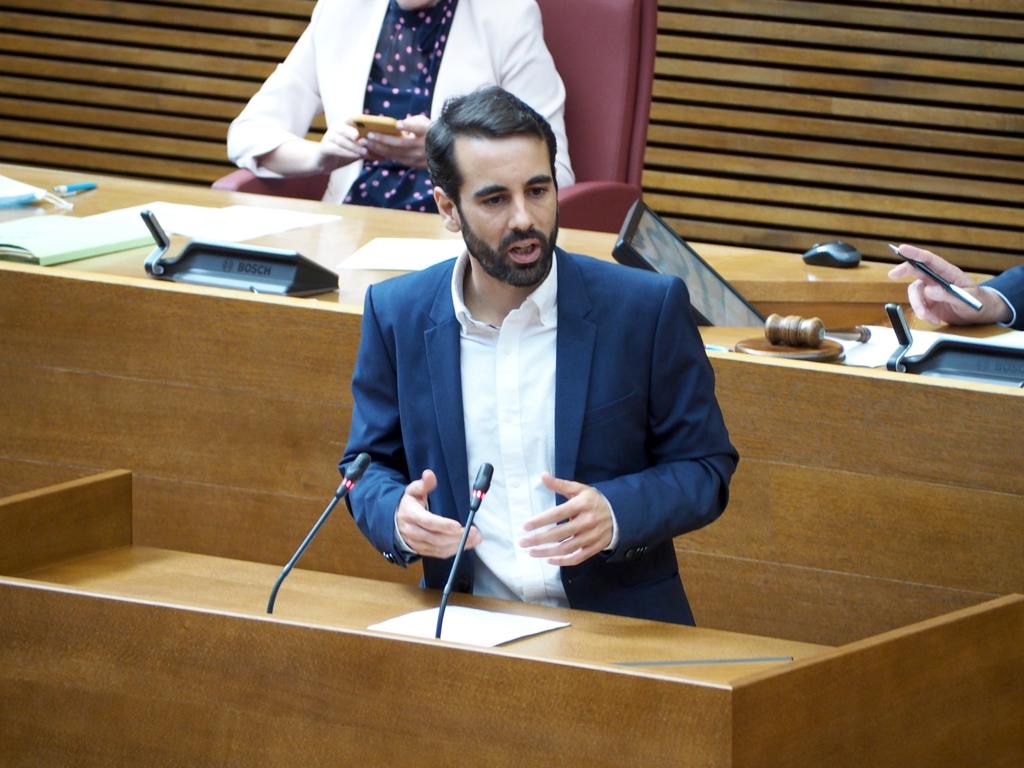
{"x":544,"y":298}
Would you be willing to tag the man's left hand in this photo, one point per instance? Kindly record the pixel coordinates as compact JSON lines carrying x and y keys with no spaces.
{"x":573,"y":531}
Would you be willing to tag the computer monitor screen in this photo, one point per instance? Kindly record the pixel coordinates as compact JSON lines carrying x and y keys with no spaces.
{"x":649,"y":243}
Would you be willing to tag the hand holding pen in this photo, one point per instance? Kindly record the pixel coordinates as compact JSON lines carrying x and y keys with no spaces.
{"x":943,"y":293}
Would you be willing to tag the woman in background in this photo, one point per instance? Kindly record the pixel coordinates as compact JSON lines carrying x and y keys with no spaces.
{"x":399,"y":58}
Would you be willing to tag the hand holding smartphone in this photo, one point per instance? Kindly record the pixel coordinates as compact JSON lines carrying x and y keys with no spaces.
{"x":367,"y":124}
{"x":955,"y":290}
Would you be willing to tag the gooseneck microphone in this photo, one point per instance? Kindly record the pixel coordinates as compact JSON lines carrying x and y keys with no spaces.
{"x":480,"y":487}
{"x":353,"y":472}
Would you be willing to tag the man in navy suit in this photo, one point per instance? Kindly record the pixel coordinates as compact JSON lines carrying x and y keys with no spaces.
{"x":1002,"y":297}
{"x":584,"y":383}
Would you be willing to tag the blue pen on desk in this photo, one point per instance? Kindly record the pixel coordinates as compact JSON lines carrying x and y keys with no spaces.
{"x":69,"y":190}
{"x":716,"y":348}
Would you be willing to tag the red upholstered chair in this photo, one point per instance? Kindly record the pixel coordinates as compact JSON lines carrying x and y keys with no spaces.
{"x":243,"y":180}
{"x":604,"y":51}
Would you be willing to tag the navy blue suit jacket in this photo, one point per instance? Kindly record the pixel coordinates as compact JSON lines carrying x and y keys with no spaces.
{"x":1011,"y":285}
{"x":635,"y":416}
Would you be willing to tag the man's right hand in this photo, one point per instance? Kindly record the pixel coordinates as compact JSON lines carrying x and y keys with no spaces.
{"x":427,"y":534}
{"x":932,"y":303}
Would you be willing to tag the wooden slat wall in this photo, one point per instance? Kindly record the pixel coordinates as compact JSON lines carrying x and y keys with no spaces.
{"x":775,"y":123}
{"x":142,"y":89}
{"x":781,"y":123}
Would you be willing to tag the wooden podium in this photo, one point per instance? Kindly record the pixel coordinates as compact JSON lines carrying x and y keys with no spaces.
{"x":114,"y":654}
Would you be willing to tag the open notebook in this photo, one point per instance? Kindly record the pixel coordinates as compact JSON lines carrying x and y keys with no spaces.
{"x":55,"y":239}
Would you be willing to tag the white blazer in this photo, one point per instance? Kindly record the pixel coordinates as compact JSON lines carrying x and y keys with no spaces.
{"x":491,"y":42}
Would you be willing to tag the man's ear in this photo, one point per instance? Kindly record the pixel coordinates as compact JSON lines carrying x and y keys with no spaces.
{"x":448,"y":210}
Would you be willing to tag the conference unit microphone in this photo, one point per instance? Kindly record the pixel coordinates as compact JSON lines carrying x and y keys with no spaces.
{"x":353,"y":472}
{"x":480,"y":488}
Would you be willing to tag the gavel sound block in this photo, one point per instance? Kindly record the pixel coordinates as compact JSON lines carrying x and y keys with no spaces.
{"x":801,"y":338}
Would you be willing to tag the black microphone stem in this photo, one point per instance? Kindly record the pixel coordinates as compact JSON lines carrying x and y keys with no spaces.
{"x":451,"y":576}
{"x":480,"y":487}
{"x":353,"y":472}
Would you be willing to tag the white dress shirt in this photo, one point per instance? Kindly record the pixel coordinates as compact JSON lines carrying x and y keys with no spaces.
{"x":508,"y":400}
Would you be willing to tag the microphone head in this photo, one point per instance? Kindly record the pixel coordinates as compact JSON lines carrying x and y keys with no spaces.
{"x":483,"y":479}
{"x":355,"y":470}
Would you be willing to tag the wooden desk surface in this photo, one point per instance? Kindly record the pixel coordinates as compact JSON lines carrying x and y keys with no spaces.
{"x":322,"y":599}
{"x":773,"y":281}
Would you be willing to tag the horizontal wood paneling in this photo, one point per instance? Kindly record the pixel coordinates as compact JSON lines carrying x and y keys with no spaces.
{"x":858,"y":506}
{"x":145,"y":684}
{"x":224,"y":436}
{"x":91,"y":160}
{"x":930,"y":28}
{"x":252,"y":524}
{"x":231,"y":412}
{"x":145,"y":332}
{"x":834,"y":555}
{"x":865,"y":135}
{"x":889,"y":701}
{"x":777,"y":599}
{"x":182,"y":31}
{"x":141,"y":89}
{"x":23,"y":476}
{"x":784,"y":123}
{"x":61,"y":522}
{"x":886,"y":527}
{"x":869,"y":422}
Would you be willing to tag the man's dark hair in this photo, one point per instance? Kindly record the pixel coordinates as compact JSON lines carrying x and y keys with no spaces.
{"x":491,"y":113}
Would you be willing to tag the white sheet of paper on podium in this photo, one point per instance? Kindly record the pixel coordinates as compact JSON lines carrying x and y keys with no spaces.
{"x":471,"y":626}
{"x":402,"y":254}
{"x":233,"y":223}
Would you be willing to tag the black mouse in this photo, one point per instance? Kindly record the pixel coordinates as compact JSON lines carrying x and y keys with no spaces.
{"x":833,"y":254}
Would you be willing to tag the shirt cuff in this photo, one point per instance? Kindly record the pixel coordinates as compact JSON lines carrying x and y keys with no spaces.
{"x":615,"y":526}
{"x":403,"y":548}
{"x":1013,"y":310}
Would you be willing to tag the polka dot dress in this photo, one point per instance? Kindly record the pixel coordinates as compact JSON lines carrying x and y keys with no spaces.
{"x":401,"y":84}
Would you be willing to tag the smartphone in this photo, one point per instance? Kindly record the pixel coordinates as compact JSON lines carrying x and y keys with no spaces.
{"x":955,"y":290}
{"x":375,"y":124}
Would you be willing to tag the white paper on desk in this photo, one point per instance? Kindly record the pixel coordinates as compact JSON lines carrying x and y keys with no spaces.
{"x":402,"y":254}
{"x":235,"y":223}
{"x":13,"y":191}
{"x":17,"y":195}
{"x":877,"y":350}
{"x":468,"y":625}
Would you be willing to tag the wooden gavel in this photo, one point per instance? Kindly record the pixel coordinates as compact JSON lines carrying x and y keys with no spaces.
{"x":796,"y":331}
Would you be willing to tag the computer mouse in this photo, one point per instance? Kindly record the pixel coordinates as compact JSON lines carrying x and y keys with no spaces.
{"x":833,"y":254}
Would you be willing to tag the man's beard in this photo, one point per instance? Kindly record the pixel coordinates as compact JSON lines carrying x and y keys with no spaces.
{"x":499,"y":266}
